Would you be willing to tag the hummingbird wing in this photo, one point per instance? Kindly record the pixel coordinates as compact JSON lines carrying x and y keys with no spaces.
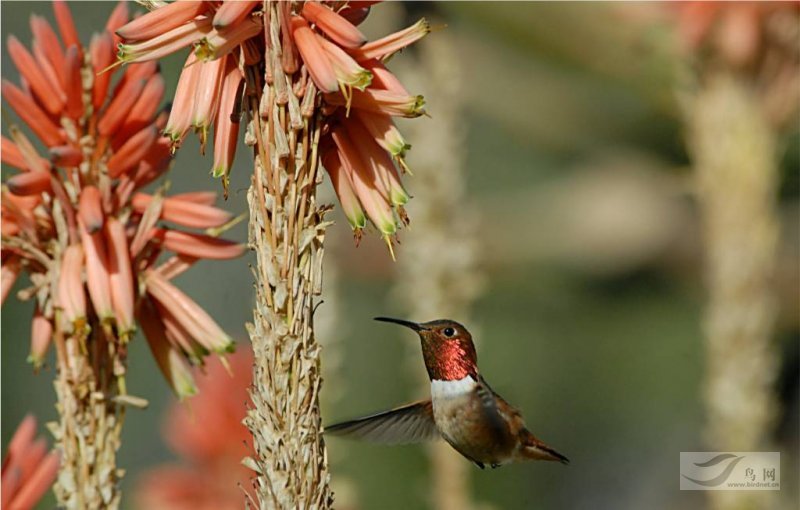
{"x":533,"y":447}
{"x":499,"y":413}
{"x":412,"y":423}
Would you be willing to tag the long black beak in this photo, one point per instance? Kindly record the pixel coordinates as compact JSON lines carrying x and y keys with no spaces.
{"x":408,"y":324}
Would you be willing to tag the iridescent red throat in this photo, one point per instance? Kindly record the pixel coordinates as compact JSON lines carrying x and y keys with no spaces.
{"x":449,"y":360}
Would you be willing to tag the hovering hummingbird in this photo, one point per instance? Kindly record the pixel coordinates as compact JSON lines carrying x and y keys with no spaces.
{"x":463,"y":409}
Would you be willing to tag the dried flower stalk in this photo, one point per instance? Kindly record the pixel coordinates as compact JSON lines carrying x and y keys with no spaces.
{"x":287,"y":232}
{"x":735,"y":157}
{"x":746,"y":66}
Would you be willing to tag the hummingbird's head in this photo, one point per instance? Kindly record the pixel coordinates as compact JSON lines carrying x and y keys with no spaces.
{"x":446,"y":346}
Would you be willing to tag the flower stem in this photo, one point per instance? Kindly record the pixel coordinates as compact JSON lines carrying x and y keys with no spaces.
{"x":287,"y":233}
{"x":736,"y":164}
{"x":91,"y":371}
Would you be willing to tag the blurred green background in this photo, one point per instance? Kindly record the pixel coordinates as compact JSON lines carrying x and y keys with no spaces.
{"x":590,"y":318}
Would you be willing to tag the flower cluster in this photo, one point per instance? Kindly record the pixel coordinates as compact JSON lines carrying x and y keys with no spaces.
{"x":77,"y":219}
{"x":28,"y":469}
{"x":734,"y":30}
{"x":211,"y":440}
{"x":757,"y":41}
{"x":361,"y":148}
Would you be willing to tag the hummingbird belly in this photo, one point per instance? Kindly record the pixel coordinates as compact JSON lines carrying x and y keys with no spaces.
{"x":476,"y":432}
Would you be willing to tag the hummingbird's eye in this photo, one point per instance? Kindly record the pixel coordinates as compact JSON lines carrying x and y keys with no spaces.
{"x":449,"y":332}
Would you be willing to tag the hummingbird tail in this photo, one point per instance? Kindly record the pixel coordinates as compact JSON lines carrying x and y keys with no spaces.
{"x":535,"y":449}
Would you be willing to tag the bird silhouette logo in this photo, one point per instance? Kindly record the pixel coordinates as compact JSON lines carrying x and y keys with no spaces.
{"x":729,"y":458}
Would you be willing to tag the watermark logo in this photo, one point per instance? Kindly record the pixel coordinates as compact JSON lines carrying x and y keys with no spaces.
{"x":720,"y":471}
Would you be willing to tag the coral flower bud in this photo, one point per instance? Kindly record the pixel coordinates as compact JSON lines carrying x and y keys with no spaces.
{"x":117,"y":111}
{"x":155,"y":163}
{"x":90,"y":209}
{"x":165,"y":43}
{"x":11,"y":155}
{"x":130,"y":154}
{"x":207,"y":96}
{"x":101,"y":48}
{"x":188,"y":313}
{"x":226,"y":128}
{"x":71,"y":297}
{"x":180,"y":116}
{"x":97,"y":276}
{"x":382,"y":101}
{"x":39,"y":482}
{"x":373,"y":155}
{"x":388,"y":45}
{"x":32,"y":115}
{"x":41,"y":335}
{"x":314,"y":56}
{"x":21,"y":156}
{"x":32,"y":159}
{"x":29,"y":183}
{"x":178,"y":336}
{"x":170,"y":362}
{"x":28,"y":471}
{"x":73,"y":83}
{"x":344,"y":189}
{"x":117,"y":19}
{"x":141,"y":114}
{"x":65,"y":25}
{"x":196,"y":197}
{"x":335,"y":26}
{"x":162,"y":20}
{"x":198,"y":245}
{"x":49,"y":71}
{"x":184,"y":212}
{"x":382,"y":129}
{"x":230,"y":13}
{"x":48,"y":41}
{"x":120,"y":275}
{"x":367,"y":188}
{"x":221,"y":42}
{"x":51,"y":98}
{"x":347,"y":70}
{"x":66,"y":156}
{"x":382,"y":78}
{"x":8,"y":275}
{"x":136,"y":71}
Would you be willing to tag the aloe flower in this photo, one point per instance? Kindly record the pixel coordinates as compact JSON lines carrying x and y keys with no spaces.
{"x":361,"y":96}
{"x":28,"y":468}
{"x":100,"y":252}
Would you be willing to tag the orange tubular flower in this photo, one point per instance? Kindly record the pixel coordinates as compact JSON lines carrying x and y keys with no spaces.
{"x":71,"y":297}
{"x":28,"y":469}
{"x":341,"y":31}
{"x":198,"y":245}
{"x":186,"y":210}
{"x":226,"y":128}
{"x":79,"y":217}
{"x":41,"y":336}
{"x":320,"y":36}
{"x":343,"y":187}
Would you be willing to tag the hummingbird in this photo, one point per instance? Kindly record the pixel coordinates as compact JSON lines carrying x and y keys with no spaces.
{"x":463,"y":409}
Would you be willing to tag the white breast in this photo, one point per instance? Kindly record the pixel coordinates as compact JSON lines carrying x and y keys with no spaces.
{"x":452,"y":389}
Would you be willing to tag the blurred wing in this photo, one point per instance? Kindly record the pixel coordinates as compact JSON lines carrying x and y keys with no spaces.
{"x":501,"y":415}
{"x":408,"y":424}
